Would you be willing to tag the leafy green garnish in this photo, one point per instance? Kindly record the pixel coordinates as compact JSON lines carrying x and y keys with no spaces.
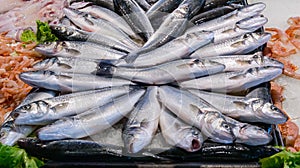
{"x":13,"y":157}
{"x":42,"y":35}
{"x":283,"y":159}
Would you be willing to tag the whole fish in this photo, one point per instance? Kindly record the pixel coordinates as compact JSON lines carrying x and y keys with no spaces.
{"x":247,"y":109}
{"x":249,"y":134}
{"x":242,"y":27}
{"x":231,"y":18}
{"x":238,"y":45}
{"x":45,"y":111}
{"x":104,"y":3}
{"x":67,"y":64}
{"x":142,"y":122}
{"x":178,"y":48}
{"x":101,"y":26}
{"x":112,"y":17}
{"x":234,"y":81}
{"x":10,"y":133}
{"x":162,"y":6}
{"x":135,"y":17}
{"x":74,"y":34}
{"x":179,"y":70}
{"x":69,"y":82}
{"x":212,"y":14}
{"x":92,"y":121}
{"x":179,"y":134}
{"x":242,"y":62}
{"x":79,"y":49}
{"x":196,"y":112}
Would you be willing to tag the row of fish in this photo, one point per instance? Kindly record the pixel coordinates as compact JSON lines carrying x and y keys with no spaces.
{"x":167,"y":67}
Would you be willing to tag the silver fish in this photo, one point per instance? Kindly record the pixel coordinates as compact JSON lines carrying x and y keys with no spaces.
{"x":112,"y":17}
{"x":79,"y":49}
{"x":162,"y":6}
{"x":143,"y":4}
{"x":231,"y":18}
{"x":92,"y":121}
{"x":48,"y":110}
{"x":74,"y":34}
{"x":241,"y":62}
{"x":197,"y":113}
{"x":179,"y":70}
{"x":69,"y":82}
{"x":234,"y":81}
{"x":238,"y":45}
{"x":142,"y":122}
{"x":178,"y":48}
{"x":104,"y":3}
{"x":179,"y":134}
{"x":135,"y":17}
{"x":101,"y":26}
{"x":247,"y":109}
{"x":67,"y":64}
{"x":242,"y":27}
{"x":10,"y":133}
{"x":249,"y":134}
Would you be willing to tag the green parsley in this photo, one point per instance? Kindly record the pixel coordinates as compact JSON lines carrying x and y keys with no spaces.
{"x":283,"y":159}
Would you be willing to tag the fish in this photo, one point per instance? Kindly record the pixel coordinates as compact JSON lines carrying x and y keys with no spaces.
{"x":135,"y":17}
{"x":104,"y":3}
{"x":247,"y":109}
{"x":238,"y":45}
{"x":88,"y":23}
{"x":74,"y":34}
{"x":249,"y":134}
{"x":211,"y":4}
{"x":67,"y":64}
{"x":142,"y":122}
{"x":179,"y":134}
{"x":112,"y":17}
{"x":45,"y":111}
{"x":242,"y":62}
{"x":92,"y":121}
{"x":161,"y":7}
{"x":178,"y":48}
{"x":231,"y":18}
{"x":78,"y":49}
{"x":69,"y":82}
{"x":196,"y":112}
{"x":242,"y":27}
{"x":213,"y":13}
{"x":234,"y":81}
{"x":10,"y":133}
{"x":143,"y":4}
{"x":179,"y":70}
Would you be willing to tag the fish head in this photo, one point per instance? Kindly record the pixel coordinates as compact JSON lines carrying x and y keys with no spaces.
{"x":182,"y":11}
{"x":62,"y":30}
{"x":44,"y":64}
{"x":192,"y":141}
{"x":136,"y":137}
{"x":253,"y":8}
{"x":217,"y":128}
{"x":36,"y":78}
{"x":267,"y":110}
{"x":267,"y":61}
{"x":253,"y":135}
{"x":7,"y":133}
{"x":50,"y":48}
{"x":265,"y":72}
{"x":252,"y":23}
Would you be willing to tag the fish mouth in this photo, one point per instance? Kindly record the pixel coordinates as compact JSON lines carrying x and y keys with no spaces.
{"x":195,"y":145}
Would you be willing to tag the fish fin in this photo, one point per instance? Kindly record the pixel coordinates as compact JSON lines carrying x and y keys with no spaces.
{"x":63,"y":65}
{"x":59,"y":106}
{"x":72,"y":51}
{"x":243,"y":62}
{"x":131,"y":57}
{"x":242,"y":104}
{"x":64,"y":76}
{"x":261,"y":92}
{"x":194,"y":108}
{"x":237,"y":44}
{"x":239,"y":76}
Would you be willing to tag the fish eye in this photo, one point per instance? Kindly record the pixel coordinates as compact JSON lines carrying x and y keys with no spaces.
{"x":274,"y":108}
{"x":2,"y":134}
{"x":47,"y":43}
{"x":15,"y":115}
{"x":246,"y":36}
{"x":26,"y":107}
{"x":64,"y":44}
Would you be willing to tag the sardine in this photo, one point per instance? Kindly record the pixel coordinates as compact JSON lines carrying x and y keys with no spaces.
{"x":178,"y":48}
{"x":92,"y":121}
{"x":101,"y":26}
{"x":249,"y":134}
{"x":10,"y":133}
{"x":247,"y":109}
{"x":48,"y":110}
{"x":72,"y":34}
{"x":231,"y":18}
{"x":67,"y":64}
{"x":234,"y":81}
{"x":239,"y":45}
{"x":179,"y":134}
{"x":179,"y":70}
{"x":135,"y":17}
{"x":242,"y":27}
{"x":242,"y":62}
{"x":79,"y":49}
{"x":142,"y":122}
{"x":112,"y":17}
{"x":196,"y":112}
{"x":69,"y":82}
{"x":161,"y":7}
{"x":104,"y":3}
